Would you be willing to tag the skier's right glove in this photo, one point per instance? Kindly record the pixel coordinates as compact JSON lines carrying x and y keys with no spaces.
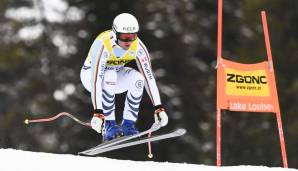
{"x":97,"y":121}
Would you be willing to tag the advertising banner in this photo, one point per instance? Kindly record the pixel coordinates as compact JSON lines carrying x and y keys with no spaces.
{"x":246,"y":87}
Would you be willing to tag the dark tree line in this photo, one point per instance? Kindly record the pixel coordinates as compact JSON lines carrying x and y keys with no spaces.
{"x":43,"y":47}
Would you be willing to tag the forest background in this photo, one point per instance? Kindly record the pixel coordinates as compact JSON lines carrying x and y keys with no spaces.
{"x":44,"y":44}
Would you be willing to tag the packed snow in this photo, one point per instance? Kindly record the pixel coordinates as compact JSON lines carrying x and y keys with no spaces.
{"x":18,"y":160}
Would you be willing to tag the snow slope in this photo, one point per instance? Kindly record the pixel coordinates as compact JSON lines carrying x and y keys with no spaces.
{"x":17,"y":160}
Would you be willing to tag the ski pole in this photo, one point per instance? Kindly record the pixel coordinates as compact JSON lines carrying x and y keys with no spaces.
{"x":27,"y":121}
{"x":150,"y":155}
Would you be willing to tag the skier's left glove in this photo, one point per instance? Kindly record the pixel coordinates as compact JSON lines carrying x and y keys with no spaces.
{"x":97,"y":121}
{"x":161,"y":116}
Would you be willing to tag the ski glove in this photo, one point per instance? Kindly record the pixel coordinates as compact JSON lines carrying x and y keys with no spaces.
{"x":97,"y":122}
{"x":161,"y":117}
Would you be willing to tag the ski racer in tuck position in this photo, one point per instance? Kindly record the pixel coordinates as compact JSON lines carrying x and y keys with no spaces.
{"x":104,"y":74}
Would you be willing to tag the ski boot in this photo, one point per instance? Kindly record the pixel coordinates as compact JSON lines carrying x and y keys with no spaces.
{"x":112,"y":130}
{"x":128,"y":128}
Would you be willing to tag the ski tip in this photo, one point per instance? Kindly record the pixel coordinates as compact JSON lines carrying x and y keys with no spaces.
{"x":26,"y":121}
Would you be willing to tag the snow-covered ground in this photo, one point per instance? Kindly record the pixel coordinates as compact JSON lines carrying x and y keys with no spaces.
{"x":17,"y":160}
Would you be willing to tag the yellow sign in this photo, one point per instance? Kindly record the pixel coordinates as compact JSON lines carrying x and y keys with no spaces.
{"x":247,"y":83}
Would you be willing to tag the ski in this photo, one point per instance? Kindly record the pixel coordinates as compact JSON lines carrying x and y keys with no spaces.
{"x":95,"y":151}
{"x":153,"y":128}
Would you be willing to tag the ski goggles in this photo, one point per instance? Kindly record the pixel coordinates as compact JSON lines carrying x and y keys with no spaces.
{"x":127,"y":37}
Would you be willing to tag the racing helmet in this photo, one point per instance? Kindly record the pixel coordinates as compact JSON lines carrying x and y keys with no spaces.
{"x":125,"y":27}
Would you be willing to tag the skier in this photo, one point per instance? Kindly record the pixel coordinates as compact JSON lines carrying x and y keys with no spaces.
{"x":104,"y":74}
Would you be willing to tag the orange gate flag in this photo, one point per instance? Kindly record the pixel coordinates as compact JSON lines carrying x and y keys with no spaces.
{"x":246,"y":87}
